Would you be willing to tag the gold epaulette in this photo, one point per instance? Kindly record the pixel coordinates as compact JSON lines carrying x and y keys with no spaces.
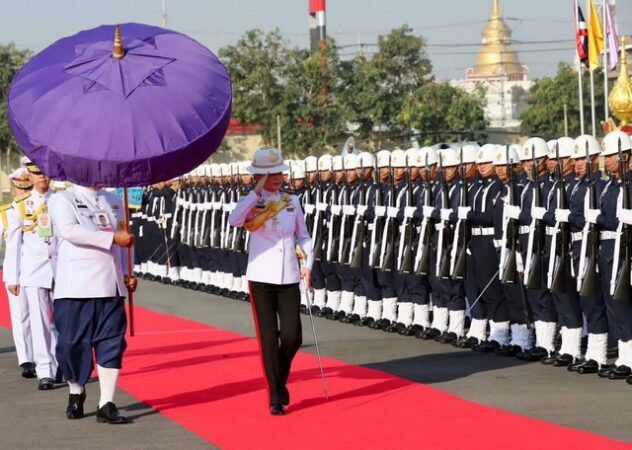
{"x":5,"y":207}
{"x":21,"y":198}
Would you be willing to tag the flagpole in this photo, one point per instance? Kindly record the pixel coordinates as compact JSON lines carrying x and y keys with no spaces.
{"x":579,"y":80}
{"x":592,"y":103}
{"x":606,"y":67}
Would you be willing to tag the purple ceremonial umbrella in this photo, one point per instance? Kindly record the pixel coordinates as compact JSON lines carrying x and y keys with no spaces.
{"x":152,"y":110}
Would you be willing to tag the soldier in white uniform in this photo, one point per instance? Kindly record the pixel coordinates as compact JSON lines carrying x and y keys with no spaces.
{"x":18,"y":305}
{"x":276,"y":224}
{"x":31,"y":257}
{"x":90,"y":291}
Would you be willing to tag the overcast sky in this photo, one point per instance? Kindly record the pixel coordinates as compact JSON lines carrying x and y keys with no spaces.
{"x":452,"y":27}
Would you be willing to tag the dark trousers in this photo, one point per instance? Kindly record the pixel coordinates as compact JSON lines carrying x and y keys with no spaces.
{"x":541,"y":302}
{"x":492,"y":304}
{"x":619,"y":311}
{"x":278,"y":325}
{"x":593,"y":307}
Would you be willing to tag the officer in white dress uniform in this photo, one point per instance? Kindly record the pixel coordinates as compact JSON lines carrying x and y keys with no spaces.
{"x":18,"y":305}
{"x":32,"y":254}
{"x":89,"y":294}
{"x":276,"y":224}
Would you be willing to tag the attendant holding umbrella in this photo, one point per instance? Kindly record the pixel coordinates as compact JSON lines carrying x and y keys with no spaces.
{"x":276,"y":226}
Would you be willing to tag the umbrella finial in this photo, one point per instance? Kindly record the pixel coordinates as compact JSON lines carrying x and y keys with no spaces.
{"x":118,"y":51}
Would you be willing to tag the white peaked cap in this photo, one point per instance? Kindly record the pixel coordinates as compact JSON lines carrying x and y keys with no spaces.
{"x":325,"y":163}
{"x":311,"y":164}
{"x":470,"y":153}
{"x":579,"y":151}
{"x":351,"y":161}
{"x":503,"y":153}
{"x":336,"y":162}
{"x":486,"y":154}
{"x":383,"y":158}
{"x":611,"y":143}
{"x":427,"y":153}
{"x":449,"y":157}
{"x":534,"y":144}
{"x":267,"y":160}
{"x":565,"y":147}
{"x":398,"y":158}
{"x":366,"y":159}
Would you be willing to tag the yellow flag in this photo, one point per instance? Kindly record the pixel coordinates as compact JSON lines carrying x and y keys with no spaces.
{"x":595,"y":36}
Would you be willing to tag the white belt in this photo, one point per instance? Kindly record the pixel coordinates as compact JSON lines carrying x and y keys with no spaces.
{"x":606,"y":235}
{"x":439,"y":226}
{"x":551,"y":231}
{"x":577,"y":236}
{"x":524,"y":229}
{"x":498,"y":243}
{"x":489,"y":231}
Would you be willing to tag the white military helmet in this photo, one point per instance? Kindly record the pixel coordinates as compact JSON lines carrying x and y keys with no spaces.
{"x":551,"y":144}
{"x":207,"y":170}
{"x":337,"y":162}
{"x":584,"y":141}
{"x":449,"y":157}
{"x":288,"y":163}
{"x":383,"y":158}
{"x":351,"y":161}
{"x":534,"y":144}
{"x":366,"y":160}
{"x":325,"y":163}
{"x":297,"y":171}
{"x":564,"y":148}
{"x":398,"y":158}
{"x":469,"y":153}
{"x":611,"y":143}
{"x":506,"y":155}
{"x":486,"y":154}
{"x":427,"y":154}
{"x":267,"y":160}
{"x":216,"y":170}
{"x":411,"y":156}
{"x":311,"y":164}
{"x":225,"y":168}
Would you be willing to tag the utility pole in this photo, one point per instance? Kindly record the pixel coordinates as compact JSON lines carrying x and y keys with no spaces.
{"x":163,"y":21}
{"x":565,"y":120}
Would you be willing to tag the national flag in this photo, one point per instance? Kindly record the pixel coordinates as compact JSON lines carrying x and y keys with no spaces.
{"x":612,"y":36}
{"x":595,"y":36}
{"x":581,"y":37}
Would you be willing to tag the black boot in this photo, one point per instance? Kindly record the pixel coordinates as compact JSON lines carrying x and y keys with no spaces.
{"x":28,"y":370}
{"x":74,"y":410}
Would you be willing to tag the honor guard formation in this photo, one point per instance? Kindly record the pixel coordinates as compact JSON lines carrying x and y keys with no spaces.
{"x":519,"y":250}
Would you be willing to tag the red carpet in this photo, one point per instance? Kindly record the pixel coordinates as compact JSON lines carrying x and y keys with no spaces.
{"x":209,"y":381}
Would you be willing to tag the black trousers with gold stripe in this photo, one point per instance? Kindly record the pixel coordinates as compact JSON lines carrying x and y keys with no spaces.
{"x":278,"y":324}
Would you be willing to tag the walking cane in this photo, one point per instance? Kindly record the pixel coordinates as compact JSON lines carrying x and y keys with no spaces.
{"x":469,"y":310}
{"x":130,"y":265}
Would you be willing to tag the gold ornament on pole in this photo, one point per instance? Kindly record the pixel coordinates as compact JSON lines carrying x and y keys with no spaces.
{"x":620,"y":99}
{"x":117,"y":51}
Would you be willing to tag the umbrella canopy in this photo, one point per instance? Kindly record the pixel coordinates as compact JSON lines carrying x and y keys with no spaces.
{"x":152,"y":110}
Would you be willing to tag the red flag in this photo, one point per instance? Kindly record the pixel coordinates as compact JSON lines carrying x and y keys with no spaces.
{"x":581,"y":37}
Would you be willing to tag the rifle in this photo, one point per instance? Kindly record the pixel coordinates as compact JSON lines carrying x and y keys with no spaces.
{"x":388,"y":247}
{"x":378,"y":224}
{"x":238,"y":233}
{"x":422,"y":258}
{"x":620,"y":282}
{"x":445,"y":239}
{"x":345,"y":222}
{"x":510,"y":234}
{"x":587,"y":273}
{"x":535,"y":245}
{"x":333,"y":239}
{"x":462,"y":234}
{"x":407,"y":238}
{"x":559,"y":254}
{"x":319,"y":224}
{"x":309,"y":218}
{"x":359,"y":233}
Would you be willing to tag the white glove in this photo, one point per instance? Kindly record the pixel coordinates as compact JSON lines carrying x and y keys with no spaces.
{"x":428,"y":210}
{"x":309,"y":209}
{"x":462,"y":212}
{"x":392,"y":212}
{"x":625,"y":216}
{"x":445,"y":214}
{"x":591,"y":215}
{"x":348,"y":210}
{"x":511,"y":211}
{"x":361,"y":209}
{"x":561,"y":215}
{"x":538,"y":212}
{"x":409,"y":211}
{"x":335,"y":209}
{"x":380,"y":211}
{"x":322,"y":207}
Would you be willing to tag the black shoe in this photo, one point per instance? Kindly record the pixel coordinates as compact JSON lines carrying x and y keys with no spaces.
{"x":28,"y":370}
{"x":575,"y":365}
{"x":380,"y":324}
{"x":605,"y":370}
{"x":629,"y":379}
{"x":549,"y":359}
{"x":563,"y":360}
{"x":46,"y":384}
{"x":74,"y":410}
{"x":532,"y":355}
{"x":448,"y":338}
{"x":508,"y":350}
{"x":402,"y":329}
{"x":303,"y":309}
{"x":366,"y":322}
{"x":429,"y":333}
{"x":285,"y":397}
{"x":354,"y":319}
{"x":413,"y":330}
{"x":588,"y":367}
{"x":620,"y":373}
{"x":315,"y":310}
{"x":340,"y":316}
{"x":393,"y":327}
{"x":486,"y":347}
{"x":466,"y":342}
{"x":277,"y":409}
{"x":325,"y":312}
{"x":110,"y":414}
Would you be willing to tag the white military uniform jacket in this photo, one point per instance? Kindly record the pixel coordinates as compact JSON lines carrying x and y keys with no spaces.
{"x":89,"y":264}
{"x":272,"y":249}
{"x":32,"y":259}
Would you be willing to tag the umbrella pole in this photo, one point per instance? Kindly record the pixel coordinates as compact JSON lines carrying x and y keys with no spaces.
{"x":130,"y":265}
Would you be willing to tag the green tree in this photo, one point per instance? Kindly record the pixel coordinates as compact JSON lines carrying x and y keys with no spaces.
{"x":11,"y":60}
{"x":544,"y":115}
{"x":441,"y":112}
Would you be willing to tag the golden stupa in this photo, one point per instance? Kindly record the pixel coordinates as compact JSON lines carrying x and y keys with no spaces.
{"x":497,"y":58}
{"x":620,"y":98}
